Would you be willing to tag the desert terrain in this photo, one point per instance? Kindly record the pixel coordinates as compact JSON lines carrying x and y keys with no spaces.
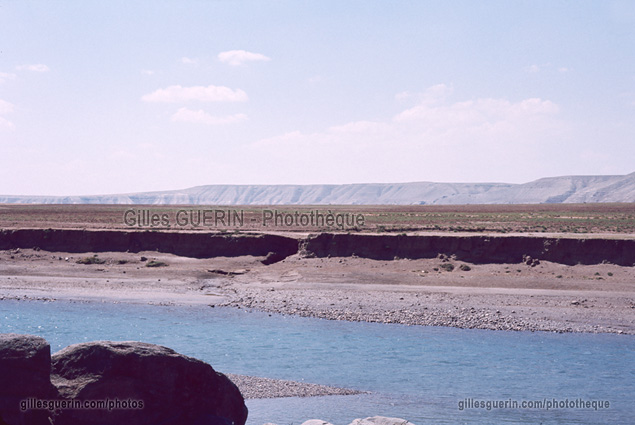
{"x":553,"y":268}
{"x":577,"y":291}
{"x":570,"y":219}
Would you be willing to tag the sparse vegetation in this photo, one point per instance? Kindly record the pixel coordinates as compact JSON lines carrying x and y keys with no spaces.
{"x":91,"y":260}
{"x":448,"y":267}
{"x":541,"y":218}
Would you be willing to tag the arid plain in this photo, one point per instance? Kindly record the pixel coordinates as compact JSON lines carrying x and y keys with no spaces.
{"x":506,"y":292}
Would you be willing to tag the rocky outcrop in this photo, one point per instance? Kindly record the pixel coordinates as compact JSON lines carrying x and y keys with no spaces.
{"x":159,"y":385}
{"x":478,"y":249}
{"x":25,"y":366}
{"x":132,"y":383}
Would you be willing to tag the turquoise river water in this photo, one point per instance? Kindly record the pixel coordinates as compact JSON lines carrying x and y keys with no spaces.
{"x":418,"y":373}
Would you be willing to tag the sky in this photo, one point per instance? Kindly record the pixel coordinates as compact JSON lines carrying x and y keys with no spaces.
{"x":131,"y":96}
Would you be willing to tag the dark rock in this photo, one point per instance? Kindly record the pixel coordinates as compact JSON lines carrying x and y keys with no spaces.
{"x":533,"y":262}
{"x":25,"y":366}
{"x":218,"y":271}
{"x":174,"y":389}
{"x":272,"y":257}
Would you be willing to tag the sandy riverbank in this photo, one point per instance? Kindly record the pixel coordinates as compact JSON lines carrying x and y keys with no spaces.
{"x":543,"y":296}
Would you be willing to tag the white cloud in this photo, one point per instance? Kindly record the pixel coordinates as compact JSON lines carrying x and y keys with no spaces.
{"x":546,"y":67}
{"x":434,"y":139}
{"x":474,"y":113}
{"x":239,"y":57}
{"x":5,"y":108}
{"x":202,"y":117}
{"x":403,"y":95}
{"x":148,"y":72}
{"x":189,"y":61}
{"x":210,"y":93}
{"x":359,"y":127}
{"x":5,"y":124}
{"x":432,"y":94}
{"x":437,"y":92}
{"x":34,"y":67}
{"x":4,"y":76}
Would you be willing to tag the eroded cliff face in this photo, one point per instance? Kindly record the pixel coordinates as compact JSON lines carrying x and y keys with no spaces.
{"x":475,"y":249}
{"x":196,"y":245}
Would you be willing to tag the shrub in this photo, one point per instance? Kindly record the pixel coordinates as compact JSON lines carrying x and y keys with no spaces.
{"x":91,"y":260}
{"x":448,"y":267}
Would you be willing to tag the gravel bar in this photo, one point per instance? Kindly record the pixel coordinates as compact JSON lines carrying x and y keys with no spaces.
{"x":257,"y":387}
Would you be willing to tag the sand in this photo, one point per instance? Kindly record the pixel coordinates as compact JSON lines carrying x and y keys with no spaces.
{"x":544,"y":297}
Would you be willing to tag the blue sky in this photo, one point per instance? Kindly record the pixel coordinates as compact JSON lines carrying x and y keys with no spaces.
{"x":127,"y":96}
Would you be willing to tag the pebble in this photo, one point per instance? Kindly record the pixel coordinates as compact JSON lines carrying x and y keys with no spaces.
{"x":257,"y":387}
{"x":373,"y":308}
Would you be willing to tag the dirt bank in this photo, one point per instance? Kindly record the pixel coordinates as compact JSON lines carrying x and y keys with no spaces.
{"x":478,"y":249}
{"x":185,"y":244}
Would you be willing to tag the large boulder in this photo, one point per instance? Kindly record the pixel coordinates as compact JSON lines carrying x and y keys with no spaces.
{"x":152,"y":384}
{"x":25,"y":367}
